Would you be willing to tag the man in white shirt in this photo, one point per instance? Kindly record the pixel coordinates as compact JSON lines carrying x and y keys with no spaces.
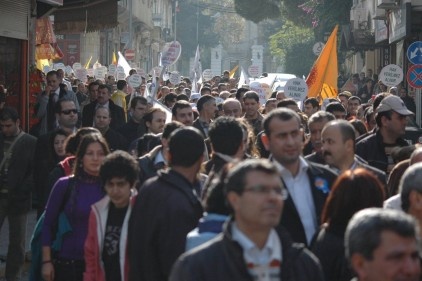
{"x":250,"y":247}
{"x":308,"y":183}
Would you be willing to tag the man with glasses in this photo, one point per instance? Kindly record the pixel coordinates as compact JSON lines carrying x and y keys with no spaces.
{"x":308,"y":183}
{"x":250,"y":247}
{"x":391,"y":117}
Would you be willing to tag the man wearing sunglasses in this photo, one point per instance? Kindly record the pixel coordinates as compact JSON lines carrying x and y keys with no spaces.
{"x":250,"y":248}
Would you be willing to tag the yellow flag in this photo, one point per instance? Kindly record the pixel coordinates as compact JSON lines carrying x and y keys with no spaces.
{"x":233,"y":71}
{"x":322,"y":79}
{"x":114,"y":59}
{"x":88,"y":62}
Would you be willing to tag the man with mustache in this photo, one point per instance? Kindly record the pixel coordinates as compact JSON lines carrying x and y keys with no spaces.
{"x":316,"y":122}
{"x":250,"y":247}
{"x":338,"y":149}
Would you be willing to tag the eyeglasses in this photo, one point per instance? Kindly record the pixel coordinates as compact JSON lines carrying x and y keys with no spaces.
{"x":68,"y":111}
{"x":266,"y":190}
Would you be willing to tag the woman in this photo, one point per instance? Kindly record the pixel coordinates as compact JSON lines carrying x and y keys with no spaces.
{"x":109,"y":219}
{"x":354,"y":190}
{"x":73,"y":196}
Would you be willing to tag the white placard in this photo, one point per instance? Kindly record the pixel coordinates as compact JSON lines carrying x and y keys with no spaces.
{"x":68,"y":70}
{"x":59,"y":65}
{"x":157,"y":70}
{"x":46,"y":69}
{"x":141,"y":72}
{"x":96,"y":65}
{"x":256,"y":86}
{"x":171,"y":53}
{"x":207,"y":75}
{"x":121,"y":76}
{"x":90,"y":72}
{"x":76,"y":66}
{"x":253,"y":70}
{"x":296,"y":89}
{"x":135,"y":80}
{"x":391,"y":75}
{"x":112,"y":69}
{"x":81,"y":74}
{"x":175,"y":77}
{"x":99,"y":73}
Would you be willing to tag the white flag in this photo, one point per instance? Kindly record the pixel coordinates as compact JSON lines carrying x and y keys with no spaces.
{"x":243,"y":79}
{"x":197,"y":70}
{"x":123,"y":62}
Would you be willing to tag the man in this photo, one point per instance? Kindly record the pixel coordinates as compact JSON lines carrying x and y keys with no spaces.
{"x":316,"y":123}
{"x":17,"y":158}
{"x":155,"y":159}
{"x":311,"y":106}
{"x":391,"y":118}
{"x":252,"y":115}
{"x":222,"y":87}
{"x":383,"y":245}
{"x":81,"y":93}
{"x":135,"y":127}
{"x":119,"y":97}
{"x":250,"y":247}
{"x":270,"y":104}
{"x":92,"y":94}
{"x":166,"y":209}
{"x":155,"y":119}
{"x":103,"y":100}
{"x":111,"y":80}
{"x":337,"y":110}
{"x":63,"y":81}
{"x":163,"y":92}
{"x":343,"y":98}
{"x":47,"y":100}
{"x":232,"y":107}
{"x":205,"y":91}
{"x":102,"y":122}
{"x":207,"y":107}
{"x":308,"y":183}
{"x":170,"y":99}
{"x":182,"y":112}
{"x":410,"y":191}
{"x":67,"y":118}
{"x":239,"y":95}
{"x":338,"y":148}
{"x":352,"y":107}
{"x":280,"y":95}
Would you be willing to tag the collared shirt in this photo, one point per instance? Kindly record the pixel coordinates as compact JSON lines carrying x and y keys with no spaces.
{"x":263,"y":264}
{"x":159,"y":158}
{"x":205,"y":126}
{"x":299,"y":188}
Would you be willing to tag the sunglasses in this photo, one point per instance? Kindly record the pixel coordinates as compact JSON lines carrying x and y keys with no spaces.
{"x":67,"y":112}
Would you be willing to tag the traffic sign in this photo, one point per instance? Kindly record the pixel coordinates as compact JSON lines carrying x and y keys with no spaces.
{"x":414,"y":76}
{"x":414,"y":52}
{"x":130,"y":54}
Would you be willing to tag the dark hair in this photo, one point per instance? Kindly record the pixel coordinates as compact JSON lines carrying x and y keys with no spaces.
{"x":236,"y":178}
{"x":335,"y":106}
{"x":58,"y":104}
{"x":9,"y":113}
{"x":186,"y":147}
{"x":51,"y":73}
{"x":119,"y":164}
{"x":138,"y":99}
{"x":321,"y":116}
{"x":53,"y":158}
{"x":182,"y":97}
{"x":94,"y":83}
{"x":204,"y":90}
{"x":378,"y":99}
{"x":354,"y":190}
{"x":146,"y":143}
{"x":251,"y":95}
{"x":74,"y":139}
{"x":105,"y":86}
{"x":203,"y":100}
{"x":359,"y":126}
{"x":121,"y":84}
{"x":239,"y":93}
{"x":284,"y":114}
{"x":85,"y":142}
{"x":286,"y":102}
{"x":170,"y":128}
{"x":180,"y":104}
{"x":226,"y":135}
{"x":170,"y":97}
{"x":346,"y":130}
{"x":355,"y":98}
{"x":215,"y":201}
{"x":379,"y":115}
{"x":132,"y":71}
{"x":313,"y":101}
{"x":363,"y":233}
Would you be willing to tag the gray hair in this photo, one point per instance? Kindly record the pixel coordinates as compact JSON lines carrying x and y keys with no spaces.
{"x":321,"y":116}
{"x":410,"y":181}
{"x":414,"y":154}
{"x":363,"y":233}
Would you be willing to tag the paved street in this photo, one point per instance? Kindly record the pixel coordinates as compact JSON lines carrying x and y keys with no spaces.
{"x":4,"y":241}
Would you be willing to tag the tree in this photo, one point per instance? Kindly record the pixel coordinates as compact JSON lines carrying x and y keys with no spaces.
{"x":257,"y":11}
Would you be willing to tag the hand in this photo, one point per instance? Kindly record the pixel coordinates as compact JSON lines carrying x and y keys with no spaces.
{"x":47,"y":90}
{"x":48,"y":271}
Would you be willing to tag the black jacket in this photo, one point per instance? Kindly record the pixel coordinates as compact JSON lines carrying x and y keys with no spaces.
{"x":115,"y":140}
{"x":372,"y":150}
{"x":222,"y":259}
{"x":132,"y":131}
{"x":165,"y":211}
{"x":147,"y":168}
{"x":321,"y":180}
{"x":116,"y":113}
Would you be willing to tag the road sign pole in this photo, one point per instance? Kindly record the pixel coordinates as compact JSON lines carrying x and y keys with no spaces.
{"x":418,"y":100}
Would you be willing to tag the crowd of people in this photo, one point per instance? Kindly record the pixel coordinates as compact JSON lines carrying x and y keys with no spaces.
{"x":229,"y":189}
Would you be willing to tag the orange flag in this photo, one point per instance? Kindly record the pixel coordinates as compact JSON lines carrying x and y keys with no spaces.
{"x":322,"y":80}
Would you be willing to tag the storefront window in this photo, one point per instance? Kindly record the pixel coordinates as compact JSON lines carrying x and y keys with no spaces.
{"x":10,"y":69}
